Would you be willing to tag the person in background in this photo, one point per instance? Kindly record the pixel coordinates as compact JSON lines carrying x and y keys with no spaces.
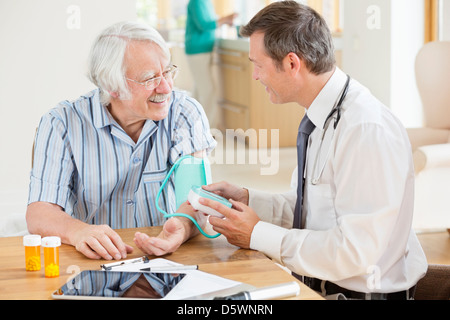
{"x":99,"y":160}
{"x":351,"y":236}
{"x":200,"y":38}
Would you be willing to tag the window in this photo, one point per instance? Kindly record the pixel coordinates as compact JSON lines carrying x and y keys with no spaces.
{"x":331,"y":11}
{"x":163,"y":14}
{"x":171,"y":14}
{"x":147,"y":11}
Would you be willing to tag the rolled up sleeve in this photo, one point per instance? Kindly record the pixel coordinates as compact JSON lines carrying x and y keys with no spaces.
{"x":52,"y":171}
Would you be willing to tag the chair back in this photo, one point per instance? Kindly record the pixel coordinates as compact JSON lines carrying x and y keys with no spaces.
{"x":435,"y":285}
{"x":433,"y":81}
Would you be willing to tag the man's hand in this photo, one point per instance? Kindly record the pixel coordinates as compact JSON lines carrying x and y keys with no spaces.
{"x":169,"y":240}
{"x":95,"y":242}
{"x":175,"y":232}
{"x":100,"y":242}
{"x":237,"y":224}
{"x":228,"y":191}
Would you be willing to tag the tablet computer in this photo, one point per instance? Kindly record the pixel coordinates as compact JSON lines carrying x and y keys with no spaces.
{"x":97,"y":284}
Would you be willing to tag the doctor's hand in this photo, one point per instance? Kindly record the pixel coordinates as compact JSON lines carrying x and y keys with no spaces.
{"x":228,"y":191}
{"x":175,"y":232}
{"x":237,"y":224}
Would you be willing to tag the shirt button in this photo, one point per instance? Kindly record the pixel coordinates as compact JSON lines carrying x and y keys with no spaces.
{"x":136,"y":160}
{"x":130,"y":202}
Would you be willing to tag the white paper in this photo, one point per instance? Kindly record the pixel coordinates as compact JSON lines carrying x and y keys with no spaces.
{"x":195,"y":282}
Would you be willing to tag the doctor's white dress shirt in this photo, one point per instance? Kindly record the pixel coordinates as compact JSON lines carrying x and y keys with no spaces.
{"x":358,"y":213}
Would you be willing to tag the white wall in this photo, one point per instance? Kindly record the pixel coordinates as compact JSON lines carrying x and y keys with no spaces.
{"x":407,"y":38}
{"x":366,"y":54}
{"x":381,"y":39}
{"x":445,"y":22}
{"x":44,"y":46}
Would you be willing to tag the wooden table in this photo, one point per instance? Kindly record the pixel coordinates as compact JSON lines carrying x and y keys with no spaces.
{"x":436,"y":246}
{"x":213,"y":256}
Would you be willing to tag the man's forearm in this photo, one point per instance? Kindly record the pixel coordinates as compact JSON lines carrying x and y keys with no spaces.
{"x":191,"y":229}
{"x":49,"y":219}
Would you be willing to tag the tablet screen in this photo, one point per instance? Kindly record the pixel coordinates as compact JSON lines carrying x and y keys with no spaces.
{"x":112,"y":284}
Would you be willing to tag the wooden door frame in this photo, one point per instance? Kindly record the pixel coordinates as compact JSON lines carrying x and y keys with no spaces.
{"x":431,"y":20}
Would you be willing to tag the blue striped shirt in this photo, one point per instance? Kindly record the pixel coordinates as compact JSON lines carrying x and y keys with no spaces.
{"x":86,"y":163}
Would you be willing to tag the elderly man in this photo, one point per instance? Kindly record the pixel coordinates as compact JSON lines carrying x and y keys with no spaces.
{"x":100,"y":160}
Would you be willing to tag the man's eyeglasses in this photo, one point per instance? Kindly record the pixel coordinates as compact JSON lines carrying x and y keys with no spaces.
{"x":153,"y":83}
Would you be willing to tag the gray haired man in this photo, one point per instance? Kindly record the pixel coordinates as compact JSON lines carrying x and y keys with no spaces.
{"x":100,"y":160}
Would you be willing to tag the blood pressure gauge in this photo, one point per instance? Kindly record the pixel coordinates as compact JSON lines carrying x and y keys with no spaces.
{"x":197,"y":192}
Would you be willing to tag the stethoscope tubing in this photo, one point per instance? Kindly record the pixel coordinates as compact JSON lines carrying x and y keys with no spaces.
{"x":338,"y":110}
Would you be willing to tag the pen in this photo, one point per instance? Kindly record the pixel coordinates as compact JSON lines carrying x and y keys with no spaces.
{"x":279,"y":291}
{"x":109,"y":266}
{"x":170,"y":268}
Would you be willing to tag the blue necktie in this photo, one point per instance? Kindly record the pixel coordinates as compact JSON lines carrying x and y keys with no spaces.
{"x":304,"y":130}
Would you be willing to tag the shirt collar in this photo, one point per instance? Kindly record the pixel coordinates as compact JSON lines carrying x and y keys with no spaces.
{"x":102,"y":118}
{"x":326,"y":99}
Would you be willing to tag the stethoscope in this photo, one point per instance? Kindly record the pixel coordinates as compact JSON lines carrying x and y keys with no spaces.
{"x":337,"y":109}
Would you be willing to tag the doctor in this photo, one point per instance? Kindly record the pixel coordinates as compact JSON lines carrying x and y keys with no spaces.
{"x":351,"y":237}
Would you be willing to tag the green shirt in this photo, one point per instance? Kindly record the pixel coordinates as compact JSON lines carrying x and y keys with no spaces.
{"x":200,"y":27}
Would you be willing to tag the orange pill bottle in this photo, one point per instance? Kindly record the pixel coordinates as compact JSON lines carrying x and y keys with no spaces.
{"x":32,"y":244}
{"x":51,"y":256}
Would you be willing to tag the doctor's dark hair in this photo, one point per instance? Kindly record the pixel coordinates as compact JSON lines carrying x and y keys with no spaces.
{"x":289,"y":26}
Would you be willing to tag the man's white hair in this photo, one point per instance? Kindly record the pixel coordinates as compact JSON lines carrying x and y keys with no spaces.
{"x":106,"y":60}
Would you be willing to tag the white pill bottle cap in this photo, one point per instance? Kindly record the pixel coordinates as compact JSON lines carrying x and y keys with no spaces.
{"x":51,"y":242}
{"x":32,"y":240}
